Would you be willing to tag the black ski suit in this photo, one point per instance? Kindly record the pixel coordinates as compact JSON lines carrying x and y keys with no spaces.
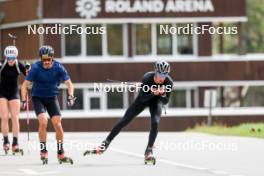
{"x":143,"y":100}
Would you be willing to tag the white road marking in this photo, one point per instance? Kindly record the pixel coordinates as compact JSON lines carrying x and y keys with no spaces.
{"x":198,"y":168}
{"x":9,"y":173}
{"x":29,"y":171}
{"x":182,"y":165}
{"x":219,"y":172}
{"x":32,"y":172}
{"x":161,"y":160}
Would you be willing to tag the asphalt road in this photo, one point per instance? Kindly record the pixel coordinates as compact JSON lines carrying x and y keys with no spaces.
{"x":178,"y":154}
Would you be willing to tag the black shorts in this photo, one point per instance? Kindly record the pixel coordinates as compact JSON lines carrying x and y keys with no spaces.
{"x":10,"y":95}
{"x":50,"y":104}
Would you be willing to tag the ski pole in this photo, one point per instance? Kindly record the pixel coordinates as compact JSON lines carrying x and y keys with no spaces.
{"x":13,"y":37}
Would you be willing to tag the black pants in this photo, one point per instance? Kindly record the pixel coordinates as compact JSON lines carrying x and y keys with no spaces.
{"x":9,"y":94}
{"x":136,"y":108}
{"x":50,"y":104}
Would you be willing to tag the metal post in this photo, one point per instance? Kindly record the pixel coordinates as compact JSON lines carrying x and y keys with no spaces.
{"x":209,"y":120}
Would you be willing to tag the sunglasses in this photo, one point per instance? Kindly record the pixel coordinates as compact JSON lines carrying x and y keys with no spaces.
{"x":46,"y":59}
{"x":11,"y":58}
{"x":163,"y":75}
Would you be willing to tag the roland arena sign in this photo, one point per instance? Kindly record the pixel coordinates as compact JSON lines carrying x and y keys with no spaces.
{"x":157,"y":8}
{"x":91,"y":8}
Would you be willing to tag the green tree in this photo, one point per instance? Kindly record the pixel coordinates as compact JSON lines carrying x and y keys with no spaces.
{"x":255,"y":26}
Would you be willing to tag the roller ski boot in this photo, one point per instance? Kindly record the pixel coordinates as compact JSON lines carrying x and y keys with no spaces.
{"x":98,"y":150}
{"x":64,"y":159}
{"x":6,"y":148}
{"x":16,"y":150}
{"x":44,"y":157}
{"x":149,"y":158}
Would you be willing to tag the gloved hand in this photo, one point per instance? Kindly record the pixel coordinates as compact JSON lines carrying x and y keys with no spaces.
{"x":71,"y":100}
{"x":158,"y":91}
{"x":24,"y":105}
{"x":27,"y":66}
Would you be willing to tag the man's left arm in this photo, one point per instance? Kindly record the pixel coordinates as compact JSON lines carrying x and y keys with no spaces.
{"x":67,"y":80}
{"x":71,"y":98}
{"x":70,"y":87}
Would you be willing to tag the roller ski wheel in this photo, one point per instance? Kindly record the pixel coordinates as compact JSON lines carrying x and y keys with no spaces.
{"x":99,"y":150}
{"x":44,"y":157}
{"x":64,"y":159}
{"x":17,"y":151}
{"x":6,"y":148}
{"x":150,"y":160}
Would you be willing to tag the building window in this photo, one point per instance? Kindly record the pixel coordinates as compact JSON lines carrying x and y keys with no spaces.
{"x":178,"y":99}
{"x":73,"y":44}
{"x":115,"y":39}
{"x":115,"y":100}
{"x":142,"y":39}
{"x":184,"y":41}
{"x":94,"y":41}
{"x":147,"y":40}
{"x":225,"y":43}
{"x":95,"y":103}
{"x":164,"y":41}
{"x":252,"y":96}
{"x":94,"y":100}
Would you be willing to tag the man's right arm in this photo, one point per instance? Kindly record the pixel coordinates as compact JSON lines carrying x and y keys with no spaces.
{"x":28,"y":82}
{"x":24,"y":90}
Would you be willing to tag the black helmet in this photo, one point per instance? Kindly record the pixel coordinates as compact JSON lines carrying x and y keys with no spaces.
{"x":46,"y":51}
{"x":162,"y":67}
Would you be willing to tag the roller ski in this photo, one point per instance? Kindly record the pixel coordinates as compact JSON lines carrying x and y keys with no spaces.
{"x":64,"y":159}
{"x":98,"y":150}
{"x":6,"y":148}
{"x":149,"y":158}
{"x":17,"y":151}
{"x":44,"y":157}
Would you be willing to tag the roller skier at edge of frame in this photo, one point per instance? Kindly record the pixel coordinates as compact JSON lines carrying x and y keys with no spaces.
{"x":46,"y":76}
{"x":10,"y":69}
{"x":155,"y":98}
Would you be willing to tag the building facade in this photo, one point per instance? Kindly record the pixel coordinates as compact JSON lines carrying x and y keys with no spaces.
{"x":98,"y":40}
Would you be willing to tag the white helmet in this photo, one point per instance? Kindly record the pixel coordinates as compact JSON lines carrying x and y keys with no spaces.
{"x":162,"y":67}
{"x":11,"y":51}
